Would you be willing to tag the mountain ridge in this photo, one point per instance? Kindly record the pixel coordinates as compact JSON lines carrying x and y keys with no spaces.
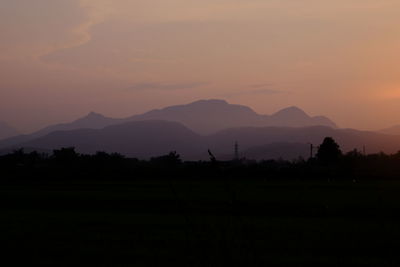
{"x":202,"y":116}
{"x":210,"y":116}
{"x":394,"y":130}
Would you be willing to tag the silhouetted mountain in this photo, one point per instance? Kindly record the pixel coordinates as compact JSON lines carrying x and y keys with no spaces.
{"x":395,"y":130}
{"x":295,"y":117}
{"x":91,"y":121}
{"x":141,"y":139}
{"x":348,"y":139}
{"x":210,"y":116}
{"x":204,"y":117}
{"x":7,"y":131}
{"x":144,"y":139}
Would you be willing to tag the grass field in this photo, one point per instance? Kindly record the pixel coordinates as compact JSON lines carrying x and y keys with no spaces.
{"x":202,"y":223}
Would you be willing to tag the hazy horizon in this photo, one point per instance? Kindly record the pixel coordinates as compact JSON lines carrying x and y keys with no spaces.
{"x":60,"y":60}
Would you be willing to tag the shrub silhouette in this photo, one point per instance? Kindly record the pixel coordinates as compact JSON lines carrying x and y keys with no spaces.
{"x":65,"y":155}
{"x":172,"y":159}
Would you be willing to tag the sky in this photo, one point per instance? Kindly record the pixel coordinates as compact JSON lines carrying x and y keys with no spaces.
{"x":60,"y":59}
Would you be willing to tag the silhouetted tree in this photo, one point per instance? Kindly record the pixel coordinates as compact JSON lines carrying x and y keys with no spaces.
{"x":173,"y":158}
{"x":397,"y":156}
{"x":329,"y":151}
{"x":18,"y":156}
{"x":65,"y":155}
{"x":354,"y":154}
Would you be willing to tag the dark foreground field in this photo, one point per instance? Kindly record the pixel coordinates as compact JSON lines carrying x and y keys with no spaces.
{"x":201,"y":223}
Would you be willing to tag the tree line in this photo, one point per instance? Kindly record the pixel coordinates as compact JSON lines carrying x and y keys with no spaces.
{"x":330,"y":163}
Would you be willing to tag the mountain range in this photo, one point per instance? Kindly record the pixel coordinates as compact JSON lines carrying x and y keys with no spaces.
{"x":203,"y":117}
{"x":210,"y":116}
{"x":194,"y":128}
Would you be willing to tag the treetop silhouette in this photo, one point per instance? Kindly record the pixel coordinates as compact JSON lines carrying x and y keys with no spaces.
{"x":329,"y":151}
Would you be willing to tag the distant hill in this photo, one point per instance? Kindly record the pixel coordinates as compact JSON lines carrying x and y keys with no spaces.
{"x":295,"y":117}
{"x":255,"y":137}
{"x":144,"y":139}
{"x":135,"y":139}
{"x":395,"y":130}
{"x":203,"y":117}
{"x":7,"y":131}
{"x":91,"y":121}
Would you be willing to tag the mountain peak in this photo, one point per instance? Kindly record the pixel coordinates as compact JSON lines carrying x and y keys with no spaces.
{"x":92,"y":120}
{"x":291,"y":111}
{"x":93,"y":114}
{"x":210,"y":101}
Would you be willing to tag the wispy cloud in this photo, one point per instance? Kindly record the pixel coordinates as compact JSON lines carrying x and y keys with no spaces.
{"x":80,"y":34}
{"x":165,"y":86}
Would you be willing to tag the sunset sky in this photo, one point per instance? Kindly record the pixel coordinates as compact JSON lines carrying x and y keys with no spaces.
{"x":60,"y":59}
